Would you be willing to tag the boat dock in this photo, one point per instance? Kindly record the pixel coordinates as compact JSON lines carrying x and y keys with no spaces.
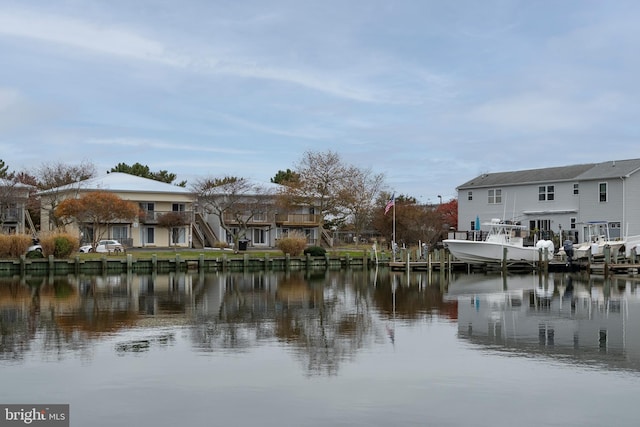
{"x":606,"y":269}
{"x":426,"y":266}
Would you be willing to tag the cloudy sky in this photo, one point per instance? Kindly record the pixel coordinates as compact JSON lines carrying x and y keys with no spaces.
{"x":429,"y":92}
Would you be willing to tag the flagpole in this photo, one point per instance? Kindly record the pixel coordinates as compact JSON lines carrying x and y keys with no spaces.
{"x":393,"y":233}
{"x":392,"y":204}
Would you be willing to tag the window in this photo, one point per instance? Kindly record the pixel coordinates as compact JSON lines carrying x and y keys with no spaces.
{"x":573,"y":223}
{"x":602,"y":190}
{"x":260,"y":217}
{"x":86,"y":234}
{"x":470,"y":195}
{"x":119,"y":232}
{"x":495,"y":196}
{"x":311,"y":235}
{"x":178,"y":207}
{"x":546,"y":192}
{"x":259,"y":236}
{"x":473,"y":226}
{"x":542,"y":227}
{"x":230,"y":236}
{"x":150,"y":235}
{"x":148,"y":209}
{"x":614,"y":230}
{"x":576,"y":188}
{"x":281,"y":233}
{"x":178,"y":235}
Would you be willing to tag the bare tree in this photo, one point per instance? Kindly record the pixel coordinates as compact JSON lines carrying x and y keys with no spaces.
{"x":323,"y":180}
{"x":360,"y":198}
{"x":55,"y":178}
{"x":234,"y":201}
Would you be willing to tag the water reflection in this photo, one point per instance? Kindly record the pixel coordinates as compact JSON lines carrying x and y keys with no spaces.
{"x":586,"y":320}
{"x":322,"y":318}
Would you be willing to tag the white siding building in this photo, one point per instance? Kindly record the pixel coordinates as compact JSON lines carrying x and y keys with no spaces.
{"x":154,"y":198}
{"x":557,"y":199}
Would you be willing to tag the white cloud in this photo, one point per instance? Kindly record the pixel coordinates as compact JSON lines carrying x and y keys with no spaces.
{"x":249,"y":86}
{"x":162,"y":145}
{"x":546,"y":112}
{"x":357,"y":81}
{"x":84,"y":35}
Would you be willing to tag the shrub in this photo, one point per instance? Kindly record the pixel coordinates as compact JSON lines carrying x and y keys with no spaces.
{"x":63,"y":247}
{"x":293,"y":244}
{"x":34,"y":255}
{"x":60,"y":245}
{"x":315,"y":251}
{"x":220,"y":244}
{"x":14,"y":245}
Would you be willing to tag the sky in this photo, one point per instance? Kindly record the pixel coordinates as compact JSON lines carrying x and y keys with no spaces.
{"x":429,"y":93}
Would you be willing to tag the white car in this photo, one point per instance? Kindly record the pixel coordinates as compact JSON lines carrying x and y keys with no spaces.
{"x":104,"y":246}
{"x":35,"y":247}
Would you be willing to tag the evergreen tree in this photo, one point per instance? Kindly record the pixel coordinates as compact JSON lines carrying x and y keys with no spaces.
{"x":139,"y":169}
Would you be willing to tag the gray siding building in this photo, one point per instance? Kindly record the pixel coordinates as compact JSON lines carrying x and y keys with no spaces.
{"x":557,"y":199}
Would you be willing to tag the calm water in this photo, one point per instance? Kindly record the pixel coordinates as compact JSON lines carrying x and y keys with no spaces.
{"x":324,"y":349}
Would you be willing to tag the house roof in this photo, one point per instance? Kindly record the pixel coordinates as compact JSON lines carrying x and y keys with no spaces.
{"x":8,"y":183}
{"x":582,"y":172}
{"x":121,"y":182}
{"x":612,"y":169}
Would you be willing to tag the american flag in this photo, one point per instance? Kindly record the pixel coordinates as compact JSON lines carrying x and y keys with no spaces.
{"x":390,"y":203}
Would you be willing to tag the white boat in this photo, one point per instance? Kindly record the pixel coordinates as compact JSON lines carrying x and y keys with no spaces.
{"x":596,"y":238}
{"x":502,"y":235}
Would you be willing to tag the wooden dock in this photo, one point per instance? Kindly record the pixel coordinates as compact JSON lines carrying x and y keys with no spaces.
{"x":606,"y":269}
{"x":426,"y":265}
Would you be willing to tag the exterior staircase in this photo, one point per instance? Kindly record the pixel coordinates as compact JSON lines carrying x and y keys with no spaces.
{"x":203,"y":235}
{"x":327,"y":238}
{"x":32,"y":228}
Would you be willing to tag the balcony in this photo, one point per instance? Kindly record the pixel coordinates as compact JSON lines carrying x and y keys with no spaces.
{"x":258,"y":220}
{"x":152,"y":217}
{"x":11,"y":215}
{"x":311,"y":220}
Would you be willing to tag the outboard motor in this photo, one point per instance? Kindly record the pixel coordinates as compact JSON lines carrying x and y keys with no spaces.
{"x":568,"y":249}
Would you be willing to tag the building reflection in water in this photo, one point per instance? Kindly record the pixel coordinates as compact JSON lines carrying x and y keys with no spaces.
{"x":580,"y":320}
{"x":323,"y":318}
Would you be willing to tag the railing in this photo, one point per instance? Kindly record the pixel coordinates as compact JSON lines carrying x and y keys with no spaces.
{"x":154,"y":216}
{"x":230,"y":218}
{"x":298,"y":219}
{"x":327,"y":237}
{"x":203,"y":231}
{"x":10,"y":215}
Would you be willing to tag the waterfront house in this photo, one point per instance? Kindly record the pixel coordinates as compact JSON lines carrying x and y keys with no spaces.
{"x":557,"y":199}
{"x":252,"y":212}
{"x":154,"y":198}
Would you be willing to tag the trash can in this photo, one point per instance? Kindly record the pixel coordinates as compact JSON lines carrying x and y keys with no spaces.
{"x":242,"y":244}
